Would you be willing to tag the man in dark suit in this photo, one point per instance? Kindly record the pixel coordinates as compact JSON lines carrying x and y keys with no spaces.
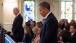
{"x":50,"y":25}
{"x":17,"y":28}
{"x":72,"y":30}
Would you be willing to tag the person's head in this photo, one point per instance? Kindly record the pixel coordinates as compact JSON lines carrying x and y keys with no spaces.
{"x":72,"y":28}
{"x":35,"y":30}
{"x":65,"y":20}
{"x":27,"y":25}
{"x":66,"y":23}
{"x":61,"y":21}
{"x":65,"y":36}
{"x":33,"y":23}
{"x":39,"y":24}
{"x":72,"y":22}
{"x":44,"y":8}
{"x":15,"y":11}
{"x":67,"y":28}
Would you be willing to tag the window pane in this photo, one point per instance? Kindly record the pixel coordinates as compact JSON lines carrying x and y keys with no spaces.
{"x":69,"y":17}
{"x":28,"y":10}
{"x":75,"y":16}
{"x":75,"y":7}
{"x":62,"y":10}
{"x":75,"y":10}
{"x":62,"y":6}
{"x":62,"y":16}
{"x":68,"y":7}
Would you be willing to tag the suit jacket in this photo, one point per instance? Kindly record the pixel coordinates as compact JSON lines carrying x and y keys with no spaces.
{"x":17,"y":27}
{"x":73,"y":38}
{"x":49,"y":30}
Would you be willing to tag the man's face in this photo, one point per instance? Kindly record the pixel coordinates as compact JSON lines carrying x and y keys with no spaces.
{"x":42,"y":11}
{"x":72,"y":29}
{"x":15,"y":11}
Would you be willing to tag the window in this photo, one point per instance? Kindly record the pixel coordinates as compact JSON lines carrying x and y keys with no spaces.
{"x":28,"y":10}
{"x":66,"y":10}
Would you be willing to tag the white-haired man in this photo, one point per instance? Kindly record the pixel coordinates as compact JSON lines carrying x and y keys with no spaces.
{"x":17,"y":28}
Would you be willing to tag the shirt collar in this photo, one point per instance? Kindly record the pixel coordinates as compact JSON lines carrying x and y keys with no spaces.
{"x":72,"y":33}
{"x":47,"y":15}
{"x":17,"y":14}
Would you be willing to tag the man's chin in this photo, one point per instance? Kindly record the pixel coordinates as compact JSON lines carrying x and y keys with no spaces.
{"x":43,"y":16}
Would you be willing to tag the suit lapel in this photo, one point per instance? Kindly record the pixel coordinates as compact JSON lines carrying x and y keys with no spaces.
{"x":16,"y":17}
{"x":44,"y":23}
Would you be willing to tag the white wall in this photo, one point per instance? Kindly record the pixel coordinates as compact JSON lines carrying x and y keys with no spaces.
{"x":1,"y":12}
{"x":55,"y":8}
{"x":8,"y":16}
{"x":7,"y":22}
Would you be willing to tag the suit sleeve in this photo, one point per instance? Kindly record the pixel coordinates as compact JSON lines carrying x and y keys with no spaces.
{"x":18,"y":25}
{"x":50,"y":31}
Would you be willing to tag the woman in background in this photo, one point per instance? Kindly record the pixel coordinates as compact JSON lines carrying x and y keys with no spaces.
{"x":27,"y":34}
{"x":65,"y":36}
{"x":32,"y":24}
{"x":38,"y":27}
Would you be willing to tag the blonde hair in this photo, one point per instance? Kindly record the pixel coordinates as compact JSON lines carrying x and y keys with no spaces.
{"x":35,"y":30}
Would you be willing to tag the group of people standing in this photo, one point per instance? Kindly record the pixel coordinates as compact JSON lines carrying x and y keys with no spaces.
{"x":41,"y":32}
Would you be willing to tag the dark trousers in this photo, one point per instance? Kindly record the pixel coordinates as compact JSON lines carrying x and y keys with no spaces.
{"x":17,"y":39}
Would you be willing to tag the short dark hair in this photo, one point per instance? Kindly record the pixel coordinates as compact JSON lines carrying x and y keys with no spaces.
{"x":67,"y":27}
{"x":66,"y":36}
{"x":74,"y":25}
{"x":27,"y":24}
{"x":34,"y":22}
{"x":45,"y":5}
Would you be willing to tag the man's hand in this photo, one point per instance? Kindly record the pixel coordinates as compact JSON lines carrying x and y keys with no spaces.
{"x":11,"y":34}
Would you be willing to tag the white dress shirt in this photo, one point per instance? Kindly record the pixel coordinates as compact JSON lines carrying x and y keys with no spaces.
{"x":47,"y":15}
{"x":17,"y":14}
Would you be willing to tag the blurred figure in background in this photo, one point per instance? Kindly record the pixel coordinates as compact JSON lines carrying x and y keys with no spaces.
{"x":33,"y":23}
{"x":38,"y":28}
{"x":27,"y":34}
{"x":65,"y":36}
{"x":58,"y":33}
{"x":62,"y":24}
{"x":1,"y":28}
{"x":73,"y":33}
{"x":67,"y":27}
{"x":66,"y":22}
{"x":72,"y":22}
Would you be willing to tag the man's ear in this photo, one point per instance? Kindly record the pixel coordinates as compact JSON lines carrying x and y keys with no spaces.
{"x":45,"y":9}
